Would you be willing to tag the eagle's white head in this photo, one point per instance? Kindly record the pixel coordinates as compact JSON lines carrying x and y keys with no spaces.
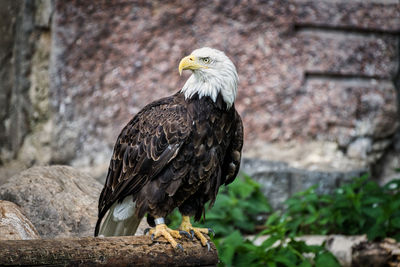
{"x":213,"y":73}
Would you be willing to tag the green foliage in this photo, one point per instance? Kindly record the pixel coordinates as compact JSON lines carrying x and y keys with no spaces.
{"x":277,"y":250}
{"x":237,"y":207}
{"x":356,"y":208}
{"x":236,"y":211}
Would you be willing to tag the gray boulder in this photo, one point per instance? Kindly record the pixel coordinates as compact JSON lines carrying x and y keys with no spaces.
{"x":59,"y":200}
{"x":13,"y":223}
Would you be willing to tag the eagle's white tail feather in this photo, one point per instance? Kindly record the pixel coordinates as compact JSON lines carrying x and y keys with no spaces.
{"x":120,"y":219}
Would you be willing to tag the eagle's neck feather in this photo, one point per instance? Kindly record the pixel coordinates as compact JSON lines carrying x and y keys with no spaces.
{"x":207,"y":83}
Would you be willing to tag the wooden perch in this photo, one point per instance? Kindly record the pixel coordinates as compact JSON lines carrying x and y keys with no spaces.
{"x":106,"y":251}
{"x":376,"y":254}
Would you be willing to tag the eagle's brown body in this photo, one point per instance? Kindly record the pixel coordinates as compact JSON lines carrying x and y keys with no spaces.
{"x":175,"y":152}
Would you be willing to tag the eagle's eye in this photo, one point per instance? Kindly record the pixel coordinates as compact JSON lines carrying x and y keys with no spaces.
{"x":206,"y":60}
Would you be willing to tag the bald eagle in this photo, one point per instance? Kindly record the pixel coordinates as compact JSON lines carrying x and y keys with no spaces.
{"x":176,"y":152}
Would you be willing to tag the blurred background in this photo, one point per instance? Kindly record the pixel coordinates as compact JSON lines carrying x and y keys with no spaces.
{"x":318,"y":94}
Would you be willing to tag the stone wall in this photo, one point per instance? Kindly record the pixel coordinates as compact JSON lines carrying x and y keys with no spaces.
{"x":317,"y":78}
{"x":24,"y":81}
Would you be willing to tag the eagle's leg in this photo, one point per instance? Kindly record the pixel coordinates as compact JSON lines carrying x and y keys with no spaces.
{"x":186,"y":225}
{"x":161,"y":229}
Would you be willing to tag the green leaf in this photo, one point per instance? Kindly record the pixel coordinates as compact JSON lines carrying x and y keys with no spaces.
{"x":311,"y":218}
{"x":395,"y":204}
{"x":285,"y":260}
{"x":373,"y":212}
{"x":376,"y":231}
{"x":238,"y":214}
{"x":245,"y":190}
{"x":305,"y":263}
{"x":273,"y":218}
{"x":246,"y":259}
{"x":373,"y":200}
{"x":269,"y":241}
{"x":396,"y":222}
{"x":229,"y":245}
{"x":271,"y":264}
{"x":326,"y":259}
{"x":245,"y":225}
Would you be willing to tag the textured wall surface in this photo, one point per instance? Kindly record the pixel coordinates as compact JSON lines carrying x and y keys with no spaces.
{"x":25,"y":46}
{"x":315,"y":71}
{"x":8,"y":14}
{"x":316,"y":77}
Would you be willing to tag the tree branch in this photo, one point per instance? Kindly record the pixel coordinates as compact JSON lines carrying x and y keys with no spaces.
{"x":106,"y":251}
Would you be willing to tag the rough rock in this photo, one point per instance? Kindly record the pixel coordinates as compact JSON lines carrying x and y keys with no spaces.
{"x":8,"y":19}
{"x":368,"y":15}
{"x":24,"y":80}
{"x":279,"y":181}
{"x":309,"y":70}
{"x":13,"y":223}
{"x":59,"y":200}
{"x":312,"y":156}
{"x":389,"y":165}
{"x":359,"y":148}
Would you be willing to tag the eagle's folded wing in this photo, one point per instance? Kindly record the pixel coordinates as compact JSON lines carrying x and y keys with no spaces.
{"x":144,"y":147}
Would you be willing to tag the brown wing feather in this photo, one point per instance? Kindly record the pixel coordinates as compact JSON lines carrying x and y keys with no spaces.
{"x":143,"y":148}
{"x":231,"y":163}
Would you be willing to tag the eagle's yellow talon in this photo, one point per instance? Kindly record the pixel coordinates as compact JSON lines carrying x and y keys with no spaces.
{"x":167,"y":233}
{"x":186,"y":225}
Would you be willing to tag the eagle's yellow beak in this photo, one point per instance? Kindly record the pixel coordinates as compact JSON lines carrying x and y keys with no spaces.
{"x":189,"y":63}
